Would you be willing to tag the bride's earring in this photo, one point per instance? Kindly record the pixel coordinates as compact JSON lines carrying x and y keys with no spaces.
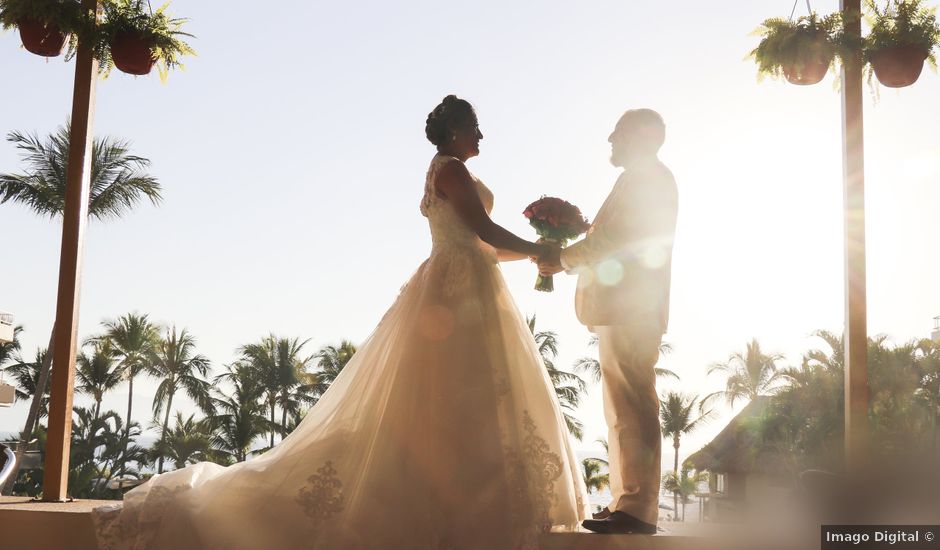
{"x":453,"y":137}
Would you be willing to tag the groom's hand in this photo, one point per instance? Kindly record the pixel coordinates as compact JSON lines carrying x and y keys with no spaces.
{"x":550,"y":261}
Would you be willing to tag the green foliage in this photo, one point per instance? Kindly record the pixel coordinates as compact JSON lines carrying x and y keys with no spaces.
{"x":135,"y":17}
{"x":118,"y":179}
{"x":25,"y":375}
{"x":279,"y":368}
{"x":569,"y":387}
{"x":683,"y":486}
{"x":64,"y":14}
{"x":748,"y":374}
{"x":592,"y":366}
{"x":794,"y":44}
{"x":97,"y":450}
{"x":97,"y":373}
{"x":803,"y":424}
{"x":239,"y":418}
{"x":9,"y":350}
{"x":594,"y":480}
{"x":902,"y":23}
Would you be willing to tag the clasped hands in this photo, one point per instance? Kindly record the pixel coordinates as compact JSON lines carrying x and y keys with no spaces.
{"x":549,"y":261}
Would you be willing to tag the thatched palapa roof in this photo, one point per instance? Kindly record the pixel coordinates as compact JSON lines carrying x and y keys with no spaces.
{"x":737,"y":448}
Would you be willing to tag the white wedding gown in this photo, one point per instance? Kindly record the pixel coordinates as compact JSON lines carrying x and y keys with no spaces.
{"x":442,"y":432}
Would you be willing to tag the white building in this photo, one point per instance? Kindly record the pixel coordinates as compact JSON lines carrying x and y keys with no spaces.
{"x":7,"y":392}
{"x":6,"y":327}
{"x":936,"y":329}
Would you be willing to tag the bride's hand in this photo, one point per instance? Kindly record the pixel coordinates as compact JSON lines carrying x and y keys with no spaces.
{"x":549,"y":261}
{"x":543,"y":249}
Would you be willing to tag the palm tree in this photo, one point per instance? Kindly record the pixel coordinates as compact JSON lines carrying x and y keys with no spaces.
{"x":189,"y":442}
{"x":118,"y":182}
{"x":174,"y":361}
{"x":25,"y":374}
{"x":9,"y":350}
{"x":684,"y":485}
{"x":97,"y":374}
{"x":569,"y":387}
{"x":592,"y":367}
{"x":593,"y":479}
{"x":131,"y":338}
{"x":748,"y":374}
{"x":603,"y":442}
{"x":97,"y":449}
{"x":330,"y":362}
{"x":118,"y":179}
{"x":239,"y":418}
{"x":281,"y":373}
{"x":928,"y":394}
{"x":679,"y":415}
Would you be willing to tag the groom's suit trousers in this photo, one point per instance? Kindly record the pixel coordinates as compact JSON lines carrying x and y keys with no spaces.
{"x":631,"y":408}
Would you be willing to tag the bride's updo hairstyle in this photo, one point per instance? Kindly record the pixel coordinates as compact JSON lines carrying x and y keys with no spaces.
{"x":446,"y":118}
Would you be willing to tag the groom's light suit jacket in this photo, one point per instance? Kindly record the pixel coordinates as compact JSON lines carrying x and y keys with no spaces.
{"x":625,"y":261}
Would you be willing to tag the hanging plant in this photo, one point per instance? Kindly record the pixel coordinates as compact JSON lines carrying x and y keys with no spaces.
{"x":46,"y":26}
{"x":902,"y":37}
{"x":801,"y":51}
{"x":134,"y":39}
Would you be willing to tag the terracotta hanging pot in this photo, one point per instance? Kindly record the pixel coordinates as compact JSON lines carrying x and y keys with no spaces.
{"x":815,"y":62}
{"x":41,"y":38}
{"x":812,"y":72}
{"x":899,"y":66}
{"x":132,"y":53}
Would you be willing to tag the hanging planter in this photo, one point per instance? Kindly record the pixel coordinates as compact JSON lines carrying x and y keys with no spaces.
{"x":132,"y":53}
{"x":46,"y":26}
{"x":801,"y":51}
{"x":41,"y":38}
{"x":898,"y":66}
{"x":135,"y":39}
{"x":903,"y":36}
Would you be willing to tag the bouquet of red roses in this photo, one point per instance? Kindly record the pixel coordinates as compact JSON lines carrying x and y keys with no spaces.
{"x":556,"y":221}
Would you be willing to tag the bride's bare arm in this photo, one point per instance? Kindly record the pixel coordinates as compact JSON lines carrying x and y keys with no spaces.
{"x":510,"y":256}
{"x":455,"y":184}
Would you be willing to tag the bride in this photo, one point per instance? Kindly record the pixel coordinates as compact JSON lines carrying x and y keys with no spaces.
{"x":442,"y":432}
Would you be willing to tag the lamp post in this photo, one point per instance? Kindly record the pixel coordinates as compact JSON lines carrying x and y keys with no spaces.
{"x":78,"y":175}
{"x":856,"y":316}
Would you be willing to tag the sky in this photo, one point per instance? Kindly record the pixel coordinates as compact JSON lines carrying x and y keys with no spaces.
{"x":292,"y":157}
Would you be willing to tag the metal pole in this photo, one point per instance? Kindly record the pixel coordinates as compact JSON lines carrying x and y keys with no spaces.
{"x":78,"y":175}
{"x":856,"y":316}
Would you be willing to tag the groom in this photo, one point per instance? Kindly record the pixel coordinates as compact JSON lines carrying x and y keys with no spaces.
{"x":623,"y":267}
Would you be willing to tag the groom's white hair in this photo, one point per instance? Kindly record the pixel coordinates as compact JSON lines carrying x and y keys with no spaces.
{"x":650,"y":123}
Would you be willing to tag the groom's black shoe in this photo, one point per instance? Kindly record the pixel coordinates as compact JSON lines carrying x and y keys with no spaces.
{"x":619,"y":523}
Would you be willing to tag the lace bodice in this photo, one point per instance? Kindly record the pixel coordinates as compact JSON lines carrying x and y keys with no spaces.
{"x":448,"y":230}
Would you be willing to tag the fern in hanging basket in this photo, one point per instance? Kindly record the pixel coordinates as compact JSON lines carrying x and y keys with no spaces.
{"x":134,"y":39}
{"x":45,"y":26}
{"x":801,"y":51}
{"x":903,"y":36}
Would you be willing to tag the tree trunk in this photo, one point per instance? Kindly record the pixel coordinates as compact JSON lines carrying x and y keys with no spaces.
{"x":283,"y":423}
{"x":675,"y":462}
{"x":127,"y":426}
{"x":272,"y":424}
{"x":166,"y":422}
{"x":675,"y":472}
{"x":41,"y":382}
{"x":97,"y":409}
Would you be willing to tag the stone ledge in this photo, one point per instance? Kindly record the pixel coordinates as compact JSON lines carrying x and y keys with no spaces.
{"x":28,"y":524}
